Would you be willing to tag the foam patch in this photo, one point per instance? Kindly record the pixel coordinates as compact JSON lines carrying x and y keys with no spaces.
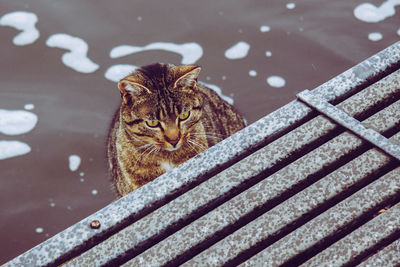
{"x":10,"y":149}
{"x":190,"y":52}
{"x":239,"y":50}
{"x":15,"y":122}
{"x":23,"y":21}
{"x":116,"y":72}
{"x":76,"y":58}
{"x":367,"y":12}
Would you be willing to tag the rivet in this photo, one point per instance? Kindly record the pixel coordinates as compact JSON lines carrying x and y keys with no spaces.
{"x":95,"y":224}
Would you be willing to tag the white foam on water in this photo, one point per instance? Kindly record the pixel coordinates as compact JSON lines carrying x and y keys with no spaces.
{"x":375,"y":36}
{"x":265,"y":28}
{"x":74,"y":162}
{"x":116,"y":72}
{"x":190,"y":52}
{"x":25,"y":22}
{"x":370,"y":13}
{"x":76,"y":58}
{"x":290,"y":5}
{"x":253,"y":73}
{"x":15,"y":122}
{"x":218,"y":90}
{"x":276,"y":81}
{"x":268,"y":53}
{"x":239,"y":50}
{"x":29,"y":106}
{"x":11,"y":149}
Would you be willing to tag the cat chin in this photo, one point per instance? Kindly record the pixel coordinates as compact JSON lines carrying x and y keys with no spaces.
{"x":172,"y":148}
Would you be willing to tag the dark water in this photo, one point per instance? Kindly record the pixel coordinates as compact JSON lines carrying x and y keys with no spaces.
{"x":39,"y":194}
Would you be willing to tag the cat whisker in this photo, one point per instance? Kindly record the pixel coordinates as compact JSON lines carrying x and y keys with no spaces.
{"x":151,"y":151}
{"x":207,"y":136}
{"x":142,"y":147}
{"x":193,"y":148}
{"x":197,"y":145}
{"x":210,"y":134}
{"x":148,"y":148}
{"x":155,"y":152}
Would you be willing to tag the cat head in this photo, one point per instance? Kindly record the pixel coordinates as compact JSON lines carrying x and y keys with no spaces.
{"x":161,"y":104}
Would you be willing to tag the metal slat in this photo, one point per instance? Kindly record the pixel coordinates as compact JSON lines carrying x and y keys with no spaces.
{"x":328,"y":223}
{"x":351,"y":124}
{"x":388,"y":256}
{"x":347,"y":249}
{"x":374,"y":96}
{"x":290,"y":211}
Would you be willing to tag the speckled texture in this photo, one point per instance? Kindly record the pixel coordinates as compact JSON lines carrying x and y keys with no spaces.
{"x":76,"y":236}
{"x":357,"y":75}
{"x":361,"y":239}
{"x":388,"y":256}
{"x":288,"y":211}
{"x":373,"y":95}
{"x":231,"y":211}
{"x":329,"y":222}
{"x":387,"y":118}
{"x":350,"y":123}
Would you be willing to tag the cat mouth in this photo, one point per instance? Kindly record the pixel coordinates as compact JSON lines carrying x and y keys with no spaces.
{"x":173,"y":147}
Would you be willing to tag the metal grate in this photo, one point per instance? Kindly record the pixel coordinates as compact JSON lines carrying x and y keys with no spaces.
{"x":315,"y":183}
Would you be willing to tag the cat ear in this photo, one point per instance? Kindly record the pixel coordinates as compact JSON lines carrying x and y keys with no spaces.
{"x":129,"y":86}
{"x":187,"y":75}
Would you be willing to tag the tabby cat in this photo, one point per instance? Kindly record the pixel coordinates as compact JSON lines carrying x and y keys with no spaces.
{"x":165,"y":118}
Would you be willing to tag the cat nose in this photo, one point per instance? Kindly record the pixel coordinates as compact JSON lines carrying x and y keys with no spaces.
{"x":173,"y":141}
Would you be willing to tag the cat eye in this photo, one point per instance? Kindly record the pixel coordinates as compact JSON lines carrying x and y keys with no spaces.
{"x":184,"y":115}
{"x":152,"y":123}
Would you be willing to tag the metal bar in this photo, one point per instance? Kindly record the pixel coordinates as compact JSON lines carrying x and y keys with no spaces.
{"x":388,"y":256}
{"x":350,"y":123}
{"x":329,"y":222}
{"x":289,"y":211}
{"x":362,"y":239}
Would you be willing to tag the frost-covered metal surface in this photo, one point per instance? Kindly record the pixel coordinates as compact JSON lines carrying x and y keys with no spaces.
{"x":351,"y":123}
{"x":300,"y":204}
{"x":388,"y":256}
{"x":327,"y":223}
{"x":360,"y":240}
{"x":150,"y":197}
